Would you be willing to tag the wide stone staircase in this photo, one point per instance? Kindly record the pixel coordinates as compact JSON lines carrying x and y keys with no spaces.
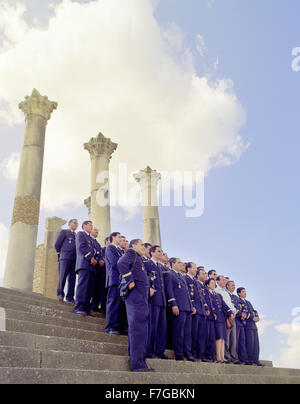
{"x":43,"y":342}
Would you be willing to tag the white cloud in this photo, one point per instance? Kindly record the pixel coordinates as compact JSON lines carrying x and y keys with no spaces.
{"x":10,"y":167}
{"x":4,"y":232}
{"x":111,"y":68}
{"x":263,"y":324}
{"x":200,"y":45}
{"x":290,"y":353}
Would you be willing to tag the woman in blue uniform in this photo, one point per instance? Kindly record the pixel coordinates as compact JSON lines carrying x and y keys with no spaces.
{"x":221,"y":312}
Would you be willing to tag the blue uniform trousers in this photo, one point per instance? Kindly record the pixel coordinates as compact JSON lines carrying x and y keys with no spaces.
{"x":199,"y":336}
{"x":210,"y":350}
{"x":137,"y":308}
{"x":252,"y":343}
{"x":66,"y":273}
{"x":182,"y":334}
{"x":169,"y":328}
{"x":97,"y":292}
{"x":85,"y":290}
{"x":158,"y":330}
{"x":113,"y":309}
{"x":241,"y":343}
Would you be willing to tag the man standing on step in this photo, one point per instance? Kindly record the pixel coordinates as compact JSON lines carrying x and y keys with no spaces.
{"x":98,"y":274}
{"x":231,"y":335}
{"x":85,"y":268}
{"x":158,"y":305}
{"x":132,"y":269}
{"x":251,"y":331}
{"x":240,"y":332}
{"x":182,"y":309}
{"x":112,"y":255}
{"x":66,"y":249}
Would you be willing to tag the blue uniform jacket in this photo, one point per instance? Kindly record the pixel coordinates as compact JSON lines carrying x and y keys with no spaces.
{"x":247,"y":308}
{"x":85,"y":251}
{"x":65,"y":245}
{"x":177,"y":291}
{"x":112,"y":256}
{"x":196,"y":295}
{"x":97,"y":253}
{"x":156,"y":277}
{"x":221,"y":309}
{"x":131,"y":268}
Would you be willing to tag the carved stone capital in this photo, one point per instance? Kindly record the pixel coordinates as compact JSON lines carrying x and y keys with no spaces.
{"x":37,"y":105}
{"x":54,"y":224}
{"x":88,"y":204}
{"x":148,"y":177}
{"x":100,"y":146}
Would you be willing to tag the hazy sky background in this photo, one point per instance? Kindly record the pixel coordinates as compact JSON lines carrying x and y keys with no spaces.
{"x":201,"y":85}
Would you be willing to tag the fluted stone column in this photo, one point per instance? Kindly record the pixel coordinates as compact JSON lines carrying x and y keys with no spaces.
{"x":46,"y":264}
{"x":148,"y":180}
{"x":23,"y":234}
{"x":101,"y":150}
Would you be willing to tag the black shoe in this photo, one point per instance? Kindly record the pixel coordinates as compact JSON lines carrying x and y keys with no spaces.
{"x":260,"y":364}
{"x":191,"y":359}
{"x":124,"y":333}
{"x":163,"y":356}
{"x":151,"y":356}
{"x":179,"y":358}
{"x":206,"y":360}
{"x":145,"y":370}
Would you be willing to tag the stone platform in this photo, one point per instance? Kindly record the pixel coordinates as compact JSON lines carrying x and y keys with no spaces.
{"x":43,"y":342}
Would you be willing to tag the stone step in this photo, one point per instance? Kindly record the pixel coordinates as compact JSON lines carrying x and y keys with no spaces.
{"x":61,"y":322}
{"x":58,"y":331}
{"x":42,"y":342}
{"x":31,"y":295}
{"x":31,"y":300}
{"x":50,"y":312}
{"x":35,"y":358}
{"x":57,"y":376}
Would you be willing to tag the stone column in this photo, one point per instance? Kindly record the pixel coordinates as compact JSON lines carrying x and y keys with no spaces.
{"x":101,"y":150}
{"x":46,"y":263}
{"x":148,"y":180}
{"x":23,"y":234}
{"x":87,"y":203}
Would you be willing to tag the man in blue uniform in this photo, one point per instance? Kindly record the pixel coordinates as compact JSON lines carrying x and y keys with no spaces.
{"x":203,"y":321}
{"x":199,"y":329}
{"x":112,"y":255}
{"x":132,"y":270}
{"x":66,"y":249}
{"x":182,"y":309}
{"x":158,"y":306}
{"x":85,"y":268}
{"x":240,"y":317}
{"x":251,"y":331}
{"x":98,"y":268}
{"x":146,"y":257}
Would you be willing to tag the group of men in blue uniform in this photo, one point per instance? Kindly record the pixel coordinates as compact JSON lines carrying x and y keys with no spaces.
{"x":167,"y":303}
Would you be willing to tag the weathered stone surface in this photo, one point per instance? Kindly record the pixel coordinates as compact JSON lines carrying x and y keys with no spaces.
{"x":46,"y":263}
{"x":26,"y":210}
{"x":56,"y":376}
{"x":23,"y":232}
{"x":148,"y":180}
{"x":101,"y":150}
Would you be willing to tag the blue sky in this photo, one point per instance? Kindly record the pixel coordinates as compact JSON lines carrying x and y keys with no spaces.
{"x":249,"y":230}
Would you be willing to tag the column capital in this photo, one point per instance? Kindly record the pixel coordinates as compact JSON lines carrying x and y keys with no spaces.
{"x":148,"y":177}
{"x":88,"y":204}
{"x":37,"y":105}
{"x":100,"y":146}
{"x":54,"y":224}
